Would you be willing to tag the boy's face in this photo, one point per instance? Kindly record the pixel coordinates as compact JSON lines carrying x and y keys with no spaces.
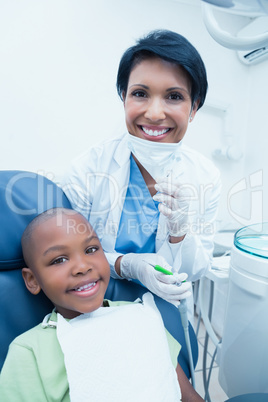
{"x":68,"y":264}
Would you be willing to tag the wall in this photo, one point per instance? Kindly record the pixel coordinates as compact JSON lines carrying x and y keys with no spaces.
{"x":58,"y":69}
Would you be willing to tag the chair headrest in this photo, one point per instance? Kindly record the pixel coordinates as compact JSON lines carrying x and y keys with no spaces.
{"x":23,"y":196}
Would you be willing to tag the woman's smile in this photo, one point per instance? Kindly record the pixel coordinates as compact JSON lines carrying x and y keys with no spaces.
{"x":157,"y":132}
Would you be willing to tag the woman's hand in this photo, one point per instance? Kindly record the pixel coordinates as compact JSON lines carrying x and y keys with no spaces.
{"x":141,"y":267}
{"x":174,"y":201}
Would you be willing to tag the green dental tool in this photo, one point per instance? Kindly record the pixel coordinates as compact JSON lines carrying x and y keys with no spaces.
{"x":161,"y":269}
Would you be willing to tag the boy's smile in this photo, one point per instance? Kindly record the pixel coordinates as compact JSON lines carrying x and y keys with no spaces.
{"x":85,"y":288}
{"x":67,"y":262}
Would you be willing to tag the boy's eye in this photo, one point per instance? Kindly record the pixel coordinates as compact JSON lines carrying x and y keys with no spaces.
{"x":91,"y":249}
{"x":58,"y":260}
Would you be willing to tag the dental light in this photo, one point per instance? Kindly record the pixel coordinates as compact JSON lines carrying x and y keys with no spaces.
{"x":253,"y":39}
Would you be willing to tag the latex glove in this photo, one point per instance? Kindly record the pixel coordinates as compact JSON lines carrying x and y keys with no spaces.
{"x":174,"y":201}
{"x":137,"y":266}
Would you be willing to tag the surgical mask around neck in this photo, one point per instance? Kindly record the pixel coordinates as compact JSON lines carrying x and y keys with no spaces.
{"x":156,"y":157}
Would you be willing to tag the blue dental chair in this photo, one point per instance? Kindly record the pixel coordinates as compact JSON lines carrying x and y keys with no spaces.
{"x":24,"y":195}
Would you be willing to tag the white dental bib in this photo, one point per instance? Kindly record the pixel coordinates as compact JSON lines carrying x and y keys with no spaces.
{"x":118,"y":354}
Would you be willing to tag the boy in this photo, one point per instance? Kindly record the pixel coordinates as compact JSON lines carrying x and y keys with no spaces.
{"x":84,"y":351}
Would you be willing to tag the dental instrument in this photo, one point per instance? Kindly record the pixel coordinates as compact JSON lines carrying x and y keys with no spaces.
{"x":161,"y":269}
{"x":164,"y":271}
{"x":184,"y":320}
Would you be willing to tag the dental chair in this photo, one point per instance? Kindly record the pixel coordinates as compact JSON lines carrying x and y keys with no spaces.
{"x":24,"y":195}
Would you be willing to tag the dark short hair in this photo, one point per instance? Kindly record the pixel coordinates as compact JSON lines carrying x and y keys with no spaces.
{"x":169,"y":46}
{"x":39,"y":219}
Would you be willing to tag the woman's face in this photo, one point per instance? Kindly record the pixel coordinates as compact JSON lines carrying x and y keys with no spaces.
{"x":158,"y":101}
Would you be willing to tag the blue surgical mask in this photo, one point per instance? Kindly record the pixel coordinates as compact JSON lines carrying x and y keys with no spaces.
{"x":156,"y":157}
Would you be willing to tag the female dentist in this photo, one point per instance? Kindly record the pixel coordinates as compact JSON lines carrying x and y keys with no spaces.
{"x":151,"y":199}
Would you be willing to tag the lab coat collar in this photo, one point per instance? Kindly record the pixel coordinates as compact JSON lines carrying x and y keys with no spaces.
{"x":122,"y":152}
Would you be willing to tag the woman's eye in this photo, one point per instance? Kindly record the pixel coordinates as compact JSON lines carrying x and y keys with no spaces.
{"x":58,"y":260}
{"x":91,"y":250}
{"x":175,"y":96}
{"x":139,"y":94}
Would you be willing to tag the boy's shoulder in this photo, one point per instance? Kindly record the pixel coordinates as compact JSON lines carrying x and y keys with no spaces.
{"x":36,"y":361}
{"x":31,"y":339}
{"x":46,"y":329}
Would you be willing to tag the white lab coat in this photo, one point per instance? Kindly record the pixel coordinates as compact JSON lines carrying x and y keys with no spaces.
{"x":97,"y":184}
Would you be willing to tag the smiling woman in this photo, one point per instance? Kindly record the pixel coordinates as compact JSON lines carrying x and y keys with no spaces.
{"x":143,"y":192}
{"x":158,"y":101}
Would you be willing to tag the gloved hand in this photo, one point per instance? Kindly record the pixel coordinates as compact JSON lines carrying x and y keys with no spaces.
{"x":136,"y":266}
{"x":174,"y":201}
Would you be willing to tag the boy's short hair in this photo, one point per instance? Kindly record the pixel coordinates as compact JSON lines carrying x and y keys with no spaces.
{"x":43,"y":217}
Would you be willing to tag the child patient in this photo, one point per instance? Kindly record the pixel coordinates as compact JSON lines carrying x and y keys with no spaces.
{"x":88,"y":348}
